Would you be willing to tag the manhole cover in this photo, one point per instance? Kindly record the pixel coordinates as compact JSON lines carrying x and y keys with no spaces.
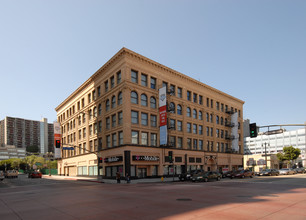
{"x":184,"y":199}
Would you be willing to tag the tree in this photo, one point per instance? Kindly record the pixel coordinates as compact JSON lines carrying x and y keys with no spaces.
{"x":289,"y":154}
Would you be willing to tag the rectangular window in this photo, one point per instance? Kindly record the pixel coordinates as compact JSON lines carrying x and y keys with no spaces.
{"x":120,"y":118}
{"x":144,"y":80}
{"x":172,"y":90}
{"x":218,"y":106}
{"x":207,"y":131}
{"x":179,"y":126}
{"x":188,"y":143}
{"x":94,"y":95}
{"x":200,"y":100}
{"x":99,"y":91}
{"x":108,"y":141}
{"x":179,"y":92}
{"x":153,"y":83}
{"x":134,"y":117}
{"x":200,"y":144}
{"x":195,"y":129}
{"x":172,"y":124}
{"x":188,"y":95}
{"x":114,"y":120}
{"x":165,"y":84}
{"x":153,"y":139}
{"x":83,"y":104}
{"x":134,"y":76}
{"x":89,"y":98}
{"x":134,"y":137}
{"x":207,"y":102}
{"x":195,"y":144}
{"x":118,"y":77}
{"x":195,"y":98}
{"x":179,"y":142}
{"x":211,"y":103}
{"x":84,"y":132}
{"x":106,"y":85}
{"x":172,"y":141}
{"x":200,"y":129}
{"x":222,"y":107}
{"x":144,"y":119}
{"x":114,"y":139}
{"x":189,"y":127}
{"x":211,"y":132}
{"x":112,"y":81}
{"x":90,"y":130}
{"x":144,"y":138}
{"x":107,"y":123}
{"x":153,"y":121}
{"x":120,"y":137}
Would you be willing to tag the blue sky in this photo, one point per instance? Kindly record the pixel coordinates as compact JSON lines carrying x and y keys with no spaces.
{"x":252,"y":50}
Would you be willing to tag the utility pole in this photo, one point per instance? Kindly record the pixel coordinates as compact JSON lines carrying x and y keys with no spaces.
{"x":266,"y":154}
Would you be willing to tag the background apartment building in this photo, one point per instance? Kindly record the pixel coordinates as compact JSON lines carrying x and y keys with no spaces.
{"x":23,"y":133}
{"x":115,"y":114}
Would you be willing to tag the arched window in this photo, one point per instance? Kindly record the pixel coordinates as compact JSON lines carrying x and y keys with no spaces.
{"x":200,"y":115}
{"x":107,"y":105}
{"x":120,"y":98}
{"x":100,"y":109}
{"x":113,"y":101}
{"x":172,"y":107}
{"x":195,"y":114}
{"x":134,"y":97}
{"x":144,"y":100}
{"x":188,"y":112}
{"x":179,"y":109}
{"x":95,"y":112}
{"x":152,"y":102}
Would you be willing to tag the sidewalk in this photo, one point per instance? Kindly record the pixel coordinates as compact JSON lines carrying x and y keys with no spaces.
{"x":111,"y":181}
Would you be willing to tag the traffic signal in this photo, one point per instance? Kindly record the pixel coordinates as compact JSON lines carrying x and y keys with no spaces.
{"x":100,"y":159}
{"x":58,"y":143}
{"x":253,"y":130}
{"x":170,"y":155}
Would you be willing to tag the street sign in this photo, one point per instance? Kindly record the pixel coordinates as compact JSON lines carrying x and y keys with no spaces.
{"x":68,"y":148}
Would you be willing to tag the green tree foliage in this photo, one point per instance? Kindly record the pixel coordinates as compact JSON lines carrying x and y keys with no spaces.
{"x":289,"y":154}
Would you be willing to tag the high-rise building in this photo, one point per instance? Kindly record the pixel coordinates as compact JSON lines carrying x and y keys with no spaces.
{"x":133,"y":111}
{"x":23,"y":133}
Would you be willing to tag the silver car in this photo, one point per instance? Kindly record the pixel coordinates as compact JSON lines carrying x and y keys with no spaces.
{"x":286,"y":171}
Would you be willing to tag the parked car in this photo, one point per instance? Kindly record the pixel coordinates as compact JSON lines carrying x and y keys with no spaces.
{"x":35,"y":174}
{"x":1,"y":175}
{"x":286,"y":171}
{"x":243,"y":174}
{"x":11,"y":174}
{"x":269,"y":172}
{"x":232,"y":173}
{"x":188,"y":175}
{"x":300,"y":170}
{"x":206,"y":176}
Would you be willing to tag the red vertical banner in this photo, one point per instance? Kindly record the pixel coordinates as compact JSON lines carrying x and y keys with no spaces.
{"x":162,"y":116}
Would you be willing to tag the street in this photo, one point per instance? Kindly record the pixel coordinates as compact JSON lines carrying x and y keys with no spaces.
{"x":280,"y":197}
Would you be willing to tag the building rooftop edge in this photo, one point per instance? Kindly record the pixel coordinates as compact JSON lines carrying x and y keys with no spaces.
{"x":125,"y":50}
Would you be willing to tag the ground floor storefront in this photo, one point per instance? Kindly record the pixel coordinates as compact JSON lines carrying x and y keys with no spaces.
{"x":146,"y":162}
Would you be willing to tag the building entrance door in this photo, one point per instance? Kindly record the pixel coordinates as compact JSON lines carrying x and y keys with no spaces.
{"x":142,"y":172}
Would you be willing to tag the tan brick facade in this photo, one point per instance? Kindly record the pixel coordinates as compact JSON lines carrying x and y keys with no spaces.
{"x":101,"y":116}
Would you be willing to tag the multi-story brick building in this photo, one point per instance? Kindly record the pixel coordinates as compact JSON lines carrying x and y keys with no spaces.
{"x":23,"y":133}
{"x":115,"y":114}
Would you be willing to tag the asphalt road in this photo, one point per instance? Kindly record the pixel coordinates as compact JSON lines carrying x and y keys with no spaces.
{"x":282,"y":197}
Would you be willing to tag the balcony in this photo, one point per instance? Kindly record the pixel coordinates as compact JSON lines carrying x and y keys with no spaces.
{"x":229,"y":124}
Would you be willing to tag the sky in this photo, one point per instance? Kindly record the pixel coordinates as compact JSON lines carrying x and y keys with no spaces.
{"x":252,"y":50}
